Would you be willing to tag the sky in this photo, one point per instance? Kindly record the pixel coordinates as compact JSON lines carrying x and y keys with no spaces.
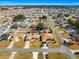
{"x":39,"y":2}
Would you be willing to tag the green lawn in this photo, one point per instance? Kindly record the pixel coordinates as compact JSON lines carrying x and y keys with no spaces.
{"x":40,"y":56}
{"x":77,"y":56}
{"x":56,"y":25}
{"x":35,"y":44}
{"x":51,"y":45}
{"x":19,"y":44}
{"x":4,"y":55}
{"x":23,"y":55}
{"x":56,"y":55}
{"x":4,"y":43}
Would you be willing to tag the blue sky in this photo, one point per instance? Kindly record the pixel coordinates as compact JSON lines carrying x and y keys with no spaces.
{"x":39,"y":2}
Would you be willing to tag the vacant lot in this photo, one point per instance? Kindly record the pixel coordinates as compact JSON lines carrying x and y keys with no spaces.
{"x":19,"y":44}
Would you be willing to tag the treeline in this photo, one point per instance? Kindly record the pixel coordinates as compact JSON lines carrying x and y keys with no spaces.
{"x":3,"y":8}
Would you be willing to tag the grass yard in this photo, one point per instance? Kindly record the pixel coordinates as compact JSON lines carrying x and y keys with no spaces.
{"x":40,"y":56}
{"x":77,"y":56}
{"x":4,"y":43}
{"x":53,"y":45}
{"x":4,"y":55}
{"x":19,"y":44}
{"x":61,"y":29}
{"x":23,"y":55}
{"x":56,"y":55}
{"x":56,"y":25}
{"x":35,"y":44}
{"x":65,"y":35}
{"x":50,"y":45}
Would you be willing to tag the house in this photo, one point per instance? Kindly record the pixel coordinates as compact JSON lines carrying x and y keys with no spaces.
{"x":33,"y":26}
{"x":77,"y":37}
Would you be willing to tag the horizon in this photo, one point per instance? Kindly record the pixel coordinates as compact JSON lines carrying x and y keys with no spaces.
{"x":37,"y":2}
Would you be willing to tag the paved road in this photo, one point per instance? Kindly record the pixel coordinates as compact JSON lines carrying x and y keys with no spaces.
{"x":33,"y":50}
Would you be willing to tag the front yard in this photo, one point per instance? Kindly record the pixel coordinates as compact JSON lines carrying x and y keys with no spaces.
{"x":4,"y":55}
{"x":19,"y":44}
{"x":57,"y":55}
{"x":35,"y":44}
{"x":4,"y":43}
{"x":23,"y":55}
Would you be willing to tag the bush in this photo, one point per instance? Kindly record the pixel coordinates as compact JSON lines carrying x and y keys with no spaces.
{"x":40,"y":26}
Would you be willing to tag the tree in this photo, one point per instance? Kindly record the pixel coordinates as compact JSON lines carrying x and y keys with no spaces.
{"x":43,"y":17}
{"x":59,"y":15}
{"x":19,"y":17}
{"x":77,"y":24}
{"x":4,"y":8}
{"x":40,"y":26}
{"x":71,"y":22}
{"x":66,"y":15}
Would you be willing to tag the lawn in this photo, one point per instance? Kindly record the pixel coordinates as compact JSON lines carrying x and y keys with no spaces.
{"x":4,"y":43}
{"x":56,"y":25}
{"x":77,"y":56}
{"x":61,"y":29}
{"x":19,"y":44}
{"x":4,"y":55}
{"x":57,"y":55}
{"x":65,"y":35}
{"x":23,"y":55}
{"x":52,"y":45}
{"x":40,"y":56}
{"x":35,"y":44}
